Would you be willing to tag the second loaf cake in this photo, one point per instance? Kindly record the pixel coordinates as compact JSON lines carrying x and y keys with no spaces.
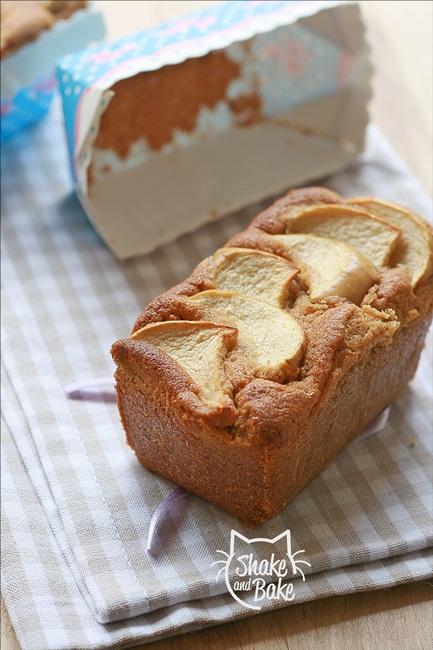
{"x":245,"y":381}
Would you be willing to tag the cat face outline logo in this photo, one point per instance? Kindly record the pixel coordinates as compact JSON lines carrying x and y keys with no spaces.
{"x":250,"y":576}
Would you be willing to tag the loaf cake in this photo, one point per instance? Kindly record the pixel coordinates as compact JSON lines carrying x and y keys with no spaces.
{"x":243,"y":382}
{"x":23,"y":20}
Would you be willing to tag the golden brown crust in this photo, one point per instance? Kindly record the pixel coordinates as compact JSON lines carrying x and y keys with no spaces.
{"x":190,"y":451}
{"x":143,"y":361}
{"x":23,"y":20}
{"x":279,"y":434}
{"x":249,"y":475}
{"x":271,"y":219}
{"x":65,"y":8}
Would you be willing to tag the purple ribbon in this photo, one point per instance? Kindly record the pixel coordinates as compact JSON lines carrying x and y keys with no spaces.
{"x":168,"y":506}
{"x":99,"y":389}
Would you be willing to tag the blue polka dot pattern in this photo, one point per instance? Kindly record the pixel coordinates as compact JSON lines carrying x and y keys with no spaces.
{"x":291,"y":62}
{"x":27,"y":107}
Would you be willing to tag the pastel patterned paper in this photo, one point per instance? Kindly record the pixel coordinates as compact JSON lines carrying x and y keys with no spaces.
{"x":284,"y":56}
{"x":309,"y":65}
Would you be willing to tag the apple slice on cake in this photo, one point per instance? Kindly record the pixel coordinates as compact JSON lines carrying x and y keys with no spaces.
{"x":270,"y":341}
{"x":330,"y":267}
{"x":373,"y":237}
{"x":252,"y":273}
{"x":415,"y":249}
{"x":200,"y":349}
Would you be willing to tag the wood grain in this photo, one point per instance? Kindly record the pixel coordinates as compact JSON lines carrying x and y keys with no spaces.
{"x":398,"y":618}
{"x":400,"y":34}
{"x":393,"y":619}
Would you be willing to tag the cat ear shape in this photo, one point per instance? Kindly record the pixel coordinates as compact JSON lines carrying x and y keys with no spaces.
{"x":235,"y":535}
{"x":285,"y":534}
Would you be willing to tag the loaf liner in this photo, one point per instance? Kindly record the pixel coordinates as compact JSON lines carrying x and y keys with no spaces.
{"x":292,"y":107}
{"x":28,"y":75}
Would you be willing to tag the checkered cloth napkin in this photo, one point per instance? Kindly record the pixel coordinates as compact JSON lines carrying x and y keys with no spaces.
{"x":77,"y":503}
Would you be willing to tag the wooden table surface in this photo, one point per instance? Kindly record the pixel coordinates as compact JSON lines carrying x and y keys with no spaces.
{"x":400,"y":618}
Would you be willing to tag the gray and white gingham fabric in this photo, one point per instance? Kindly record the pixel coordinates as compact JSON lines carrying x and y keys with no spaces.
{"x":77,"y":504}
